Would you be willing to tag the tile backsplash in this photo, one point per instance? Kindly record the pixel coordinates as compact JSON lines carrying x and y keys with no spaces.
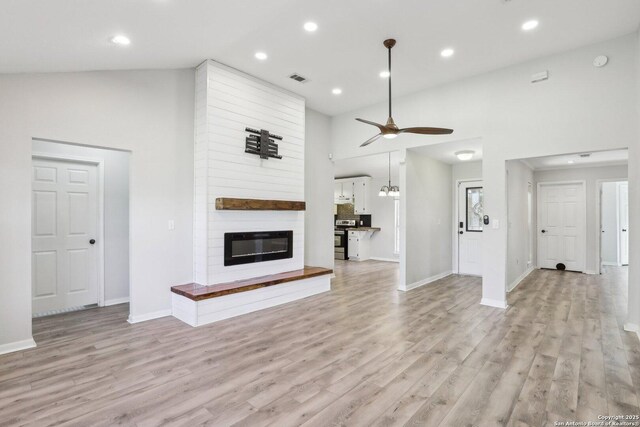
{"x":345,"y":211}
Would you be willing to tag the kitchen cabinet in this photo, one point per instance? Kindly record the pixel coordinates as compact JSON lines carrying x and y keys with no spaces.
{"x":358,"y":245}
{"x":361,"y":193}
{"x":343,"y":191}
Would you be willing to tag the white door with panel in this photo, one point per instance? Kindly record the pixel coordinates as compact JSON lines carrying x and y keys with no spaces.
{"x":623,"y":212}
{"x":470,"y":227}
{"x":562,"y":226}
{"x":64,"y":228}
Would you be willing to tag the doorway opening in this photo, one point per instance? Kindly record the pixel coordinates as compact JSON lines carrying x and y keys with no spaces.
{"x":80,"y":227}
{"x":565,"y":191}
{"x":613,"y":209}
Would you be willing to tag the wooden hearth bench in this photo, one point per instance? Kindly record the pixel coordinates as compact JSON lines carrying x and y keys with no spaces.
{"x":197,"y":304}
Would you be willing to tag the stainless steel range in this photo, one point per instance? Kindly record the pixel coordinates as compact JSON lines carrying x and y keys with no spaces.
{"x":341,"y":238}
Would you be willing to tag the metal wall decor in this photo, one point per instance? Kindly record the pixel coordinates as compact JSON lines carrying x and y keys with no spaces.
{"x":262,"y":143}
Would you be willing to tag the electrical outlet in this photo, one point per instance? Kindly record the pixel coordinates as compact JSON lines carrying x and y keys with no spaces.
{"x":172,"y":225}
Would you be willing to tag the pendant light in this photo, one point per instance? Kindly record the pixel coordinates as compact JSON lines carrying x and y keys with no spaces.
{"x":389,"y":190}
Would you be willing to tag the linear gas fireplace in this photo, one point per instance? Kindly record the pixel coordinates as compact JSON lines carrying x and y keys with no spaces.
{"x":245,"y":248}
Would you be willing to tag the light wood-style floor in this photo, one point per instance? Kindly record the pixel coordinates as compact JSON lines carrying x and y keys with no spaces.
{"x":362,"y":355}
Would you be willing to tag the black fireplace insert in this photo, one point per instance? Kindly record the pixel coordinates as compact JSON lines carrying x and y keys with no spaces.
{"x":249,"y":247}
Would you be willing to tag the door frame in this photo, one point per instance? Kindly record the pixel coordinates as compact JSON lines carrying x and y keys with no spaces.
{"x":99,"y":163}
{"x":585,"y":228}
{"x":456,"y":205}
{"x":598,"y":232}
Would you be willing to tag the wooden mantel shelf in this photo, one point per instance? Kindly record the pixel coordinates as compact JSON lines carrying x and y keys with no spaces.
{"x":197,"y":292}
{"x":226,"y":203}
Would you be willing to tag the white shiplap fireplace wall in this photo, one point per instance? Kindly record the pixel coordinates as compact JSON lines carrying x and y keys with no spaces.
{"x":228,"y":101}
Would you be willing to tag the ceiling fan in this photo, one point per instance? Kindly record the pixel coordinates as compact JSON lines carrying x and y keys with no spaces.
{"x":390,"y":130}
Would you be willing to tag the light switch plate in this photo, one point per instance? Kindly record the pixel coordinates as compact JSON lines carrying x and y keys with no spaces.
{"x":172,"y":225}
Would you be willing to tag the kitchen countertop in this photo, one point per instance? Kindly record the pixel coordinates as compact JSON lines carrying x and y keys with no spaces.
{"x":364,"y":229}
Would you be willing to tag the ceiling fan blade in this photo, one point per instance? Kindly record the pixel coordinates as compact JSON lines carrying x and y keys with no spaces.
{"x":378,"y":125}
{"x":426,"y":131}
{"x":370,"y":140}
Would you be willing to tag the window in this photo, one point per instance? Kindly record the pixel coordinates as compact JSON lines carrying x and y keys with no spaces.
{"x":474,"y":209}
{"x":396,"y":240}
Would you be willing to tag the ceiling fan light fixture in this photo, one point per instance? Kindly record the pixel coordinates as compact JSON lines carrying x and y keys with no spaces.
{"x":394,"y":191}
{"x":391,"y":130}
{"x":464,"y":155}
{"x":384,"y":191}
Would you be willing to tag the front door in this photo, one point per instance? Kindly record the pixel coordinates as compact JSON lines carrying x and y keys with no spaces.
{"x":623,"y":189}
{"x":562,"y":226}
{"x":64,"y":265}
{"x":470,"y":226}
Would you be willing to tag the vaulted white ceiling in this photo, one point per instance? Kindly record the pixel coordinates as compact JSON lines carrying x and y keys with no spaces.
{"x":346,"y":51}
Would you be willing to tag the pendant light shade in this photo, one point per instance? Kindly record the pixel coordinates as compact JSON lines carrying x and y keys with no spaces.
{"x":389,"y":190}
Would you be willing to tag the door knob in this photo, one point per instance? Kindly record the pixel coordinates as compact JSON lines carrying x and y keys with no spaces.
{"x":543,"y":231}
{"x":92,"y":241}
{"x":461,"y":232}
{"x":624,"y":229}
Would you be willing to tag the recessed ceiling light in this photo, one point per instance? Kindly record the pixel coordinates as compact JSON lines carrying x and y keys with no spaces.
{"x":464,"y":154}
{"x":121,"y":40}
{"x":384,"y":74}
{"x":447,"y":52}
{"x":336,"y":91}
{"x":310,"y":26}
{"x":530,"y":25}
{"x":261,"y":56}
{"x":571,"y":162}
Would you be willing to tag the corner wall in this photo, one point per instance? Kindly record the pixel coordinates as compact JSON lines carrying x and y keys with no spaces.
{"x":426,"y":220}
{"x":633,"y":318}
{"x":518,"y":180}
{"x":318,"y":191}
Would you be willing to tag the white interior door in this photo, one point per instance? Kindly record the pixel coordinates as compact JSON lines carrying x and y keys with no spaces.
{"x":562,"y":226}
{"x":623,"y":198}
{"x":64,"y":225}
{"x":470,"y":226}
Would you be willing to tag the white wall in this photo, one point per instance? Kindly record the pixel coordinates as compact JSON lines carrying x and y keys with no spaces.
{"x":466,"y":171}
{"x":318,"y":190}
{"x":609,"y":219}
{"x":633,"y":319}
{"x":149,"y":113}
{"x":232,"y":101}
{"x":591,"y":176}
{"x":383,"y":216}
{"x":580,"y":108}
{"x":116,"y":212}
{"x":426,"y":220}
{"x":519,"y":178}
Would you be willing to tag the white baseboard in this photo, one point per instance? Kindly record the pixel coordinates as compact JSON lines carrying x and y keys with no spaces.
{"x":17,"y":346}
{"x":632,"y":327}
{"x":426,"y":281}
{"x":375,"y":258}
{"x":520,"y":278}
{"x":148,"y":316}
{"x":494,"y":303}
{"x":614,"y":264}
{"x":592,"y":272}
{"x":116,"y":301}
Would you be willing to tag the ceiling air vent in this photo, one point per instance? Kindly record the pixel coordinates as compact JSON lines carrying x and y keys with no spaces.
{"x":297,"y":77}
